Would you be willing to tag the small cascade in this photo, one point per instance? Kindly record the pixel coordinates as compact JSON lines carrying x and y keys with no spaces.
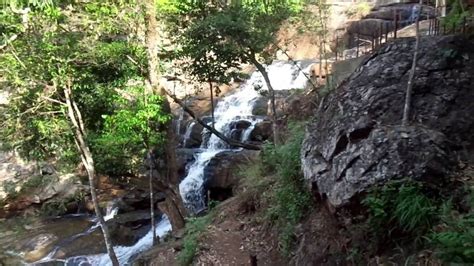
{"x":229,"y":111}
{"x":125,"y":255}
{"x":187,"y":134}
{"x":179,"y":121}
{"x":111,"y":210}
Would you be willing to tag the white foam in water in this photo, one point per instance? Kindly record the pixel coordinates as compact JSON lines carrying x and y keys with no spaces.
{"x":191,"y":187}
{"x":124,"y":254}
{"x":111,"y":213}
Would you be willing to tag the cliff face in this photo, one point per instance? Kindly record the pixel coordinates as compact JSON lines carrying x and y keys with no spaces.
{"x":355,"y":139}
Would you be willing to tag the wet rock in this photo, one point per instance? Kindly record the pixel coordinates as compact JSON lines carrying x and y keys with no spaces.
{"x":139,"y":200}
{"x":237,"y":129}
{"x":262,"y":131}
{"x":355,"y":140}
{"x":260,"y":106}
{"x":241,"y":124}
{"x":193,"y":135}
{"x":38,"y":247}
{"x":184,"y":157}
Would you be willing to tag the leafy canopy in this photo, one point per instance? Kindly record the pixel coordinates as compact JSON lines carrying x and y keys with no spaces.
{"x":94,"y":46}
{"x":217,"y":38}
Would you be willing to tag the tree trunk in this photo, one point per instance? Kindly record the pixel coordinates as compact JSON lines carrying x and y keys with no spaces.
{"x":173,"y":207}
{"x":271,"y":92}
{"x":407,"y":108}
{"x":86,"y":156}
{"x":212,"y":104}
{"x":152,"y":198}
{"x":176,"y":211}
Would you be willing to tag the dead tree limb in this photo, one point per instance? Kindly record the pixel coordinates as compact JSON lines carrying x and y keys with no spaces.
{"x":409,"y":92}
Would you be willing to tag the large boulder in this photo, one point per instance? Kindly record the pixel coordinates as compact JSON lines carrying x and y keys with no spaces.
{"x":222,"y":171}
{"x":355,"y":140}
{"x":262,"y":131}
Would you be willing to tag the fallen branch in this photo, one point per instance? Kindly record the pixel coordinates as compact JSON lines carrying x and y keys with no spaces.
{"x":211,"y":129}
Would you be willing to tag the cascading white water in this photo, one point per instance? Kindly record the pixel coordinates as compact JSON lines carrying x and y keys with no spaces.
{"x":124,"y":254}
{"x":235,"y":107}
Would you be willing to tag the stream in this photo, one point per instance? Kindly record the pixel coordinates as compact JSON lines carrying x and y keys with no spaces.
{"x":77,"y":240}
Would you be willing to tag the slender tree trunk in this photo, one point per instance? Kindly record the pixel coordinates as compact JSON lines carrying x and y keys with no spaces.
{"x":152,"y":197}
{"x":271,"y":92}
{"x":407,"y":107}
{"x":212,"y":104}
{"x":75,"y":117}
{"x":175,"y":208}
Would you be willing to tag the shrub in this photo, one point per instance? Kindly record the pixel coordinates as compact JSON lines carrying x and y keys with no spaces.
{"x":400,"y":207}
{"x":289,"y":200}
{"x":195,"y":227}
{"x":9,"y":187}
{"x":454,"y":240}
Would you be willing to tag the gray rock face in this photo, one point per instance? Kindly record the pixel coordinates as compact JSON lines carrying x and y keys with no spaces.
{"x":262,"y":131}
{"x":355,"y":140}
{"x":222,"y":170}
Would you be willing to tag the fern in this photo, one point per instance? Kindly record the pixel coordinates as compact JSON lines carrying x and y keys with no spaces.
{"x":455,"y":241}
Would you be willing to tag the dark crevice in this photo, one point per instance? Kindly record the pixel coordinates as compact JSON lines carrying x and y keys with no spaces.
{"x":340,"y":145}
{"x":349,"y":165}
{"x":360,"y":134}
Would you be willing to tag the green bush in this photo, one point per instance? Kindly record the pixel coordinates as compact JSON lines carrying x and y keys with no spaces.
{"x":454,"y":241}
{"x":195,"y":227}
{"x":290,"y":199}
{"x":400,"y":207}
{"x":10,"y":188}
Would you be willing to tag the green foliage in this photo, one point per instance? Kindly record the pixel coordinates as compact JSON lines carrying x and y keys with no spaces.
{"x":129,"y":132}
{"x":85,"y":49}
{"x":454,"y":238}
{"x":218,"y":38}
{"x":38,"y":181}
{"x":290,"y":199}
{"x":456,"y":16}
{"x":53,"y":208}
{"x":9,"y":187}
{"x":400,"y":207}
{"x":195,"y":227}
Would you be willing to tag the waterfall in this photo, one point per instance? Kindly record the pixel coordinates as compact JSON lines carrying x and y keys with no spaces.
{"x":231,"y":109}
{"x":124,"y":254}
{"x":235,"y":107}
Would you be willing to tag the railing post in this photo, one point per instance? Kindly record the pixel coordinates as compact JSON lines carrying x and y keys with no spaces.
{"x":373,"y":43}
{"x":357,"y":45}
{"x":381,"y":34}
{"x":429,"y":24}
{"x":395,"y":24}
